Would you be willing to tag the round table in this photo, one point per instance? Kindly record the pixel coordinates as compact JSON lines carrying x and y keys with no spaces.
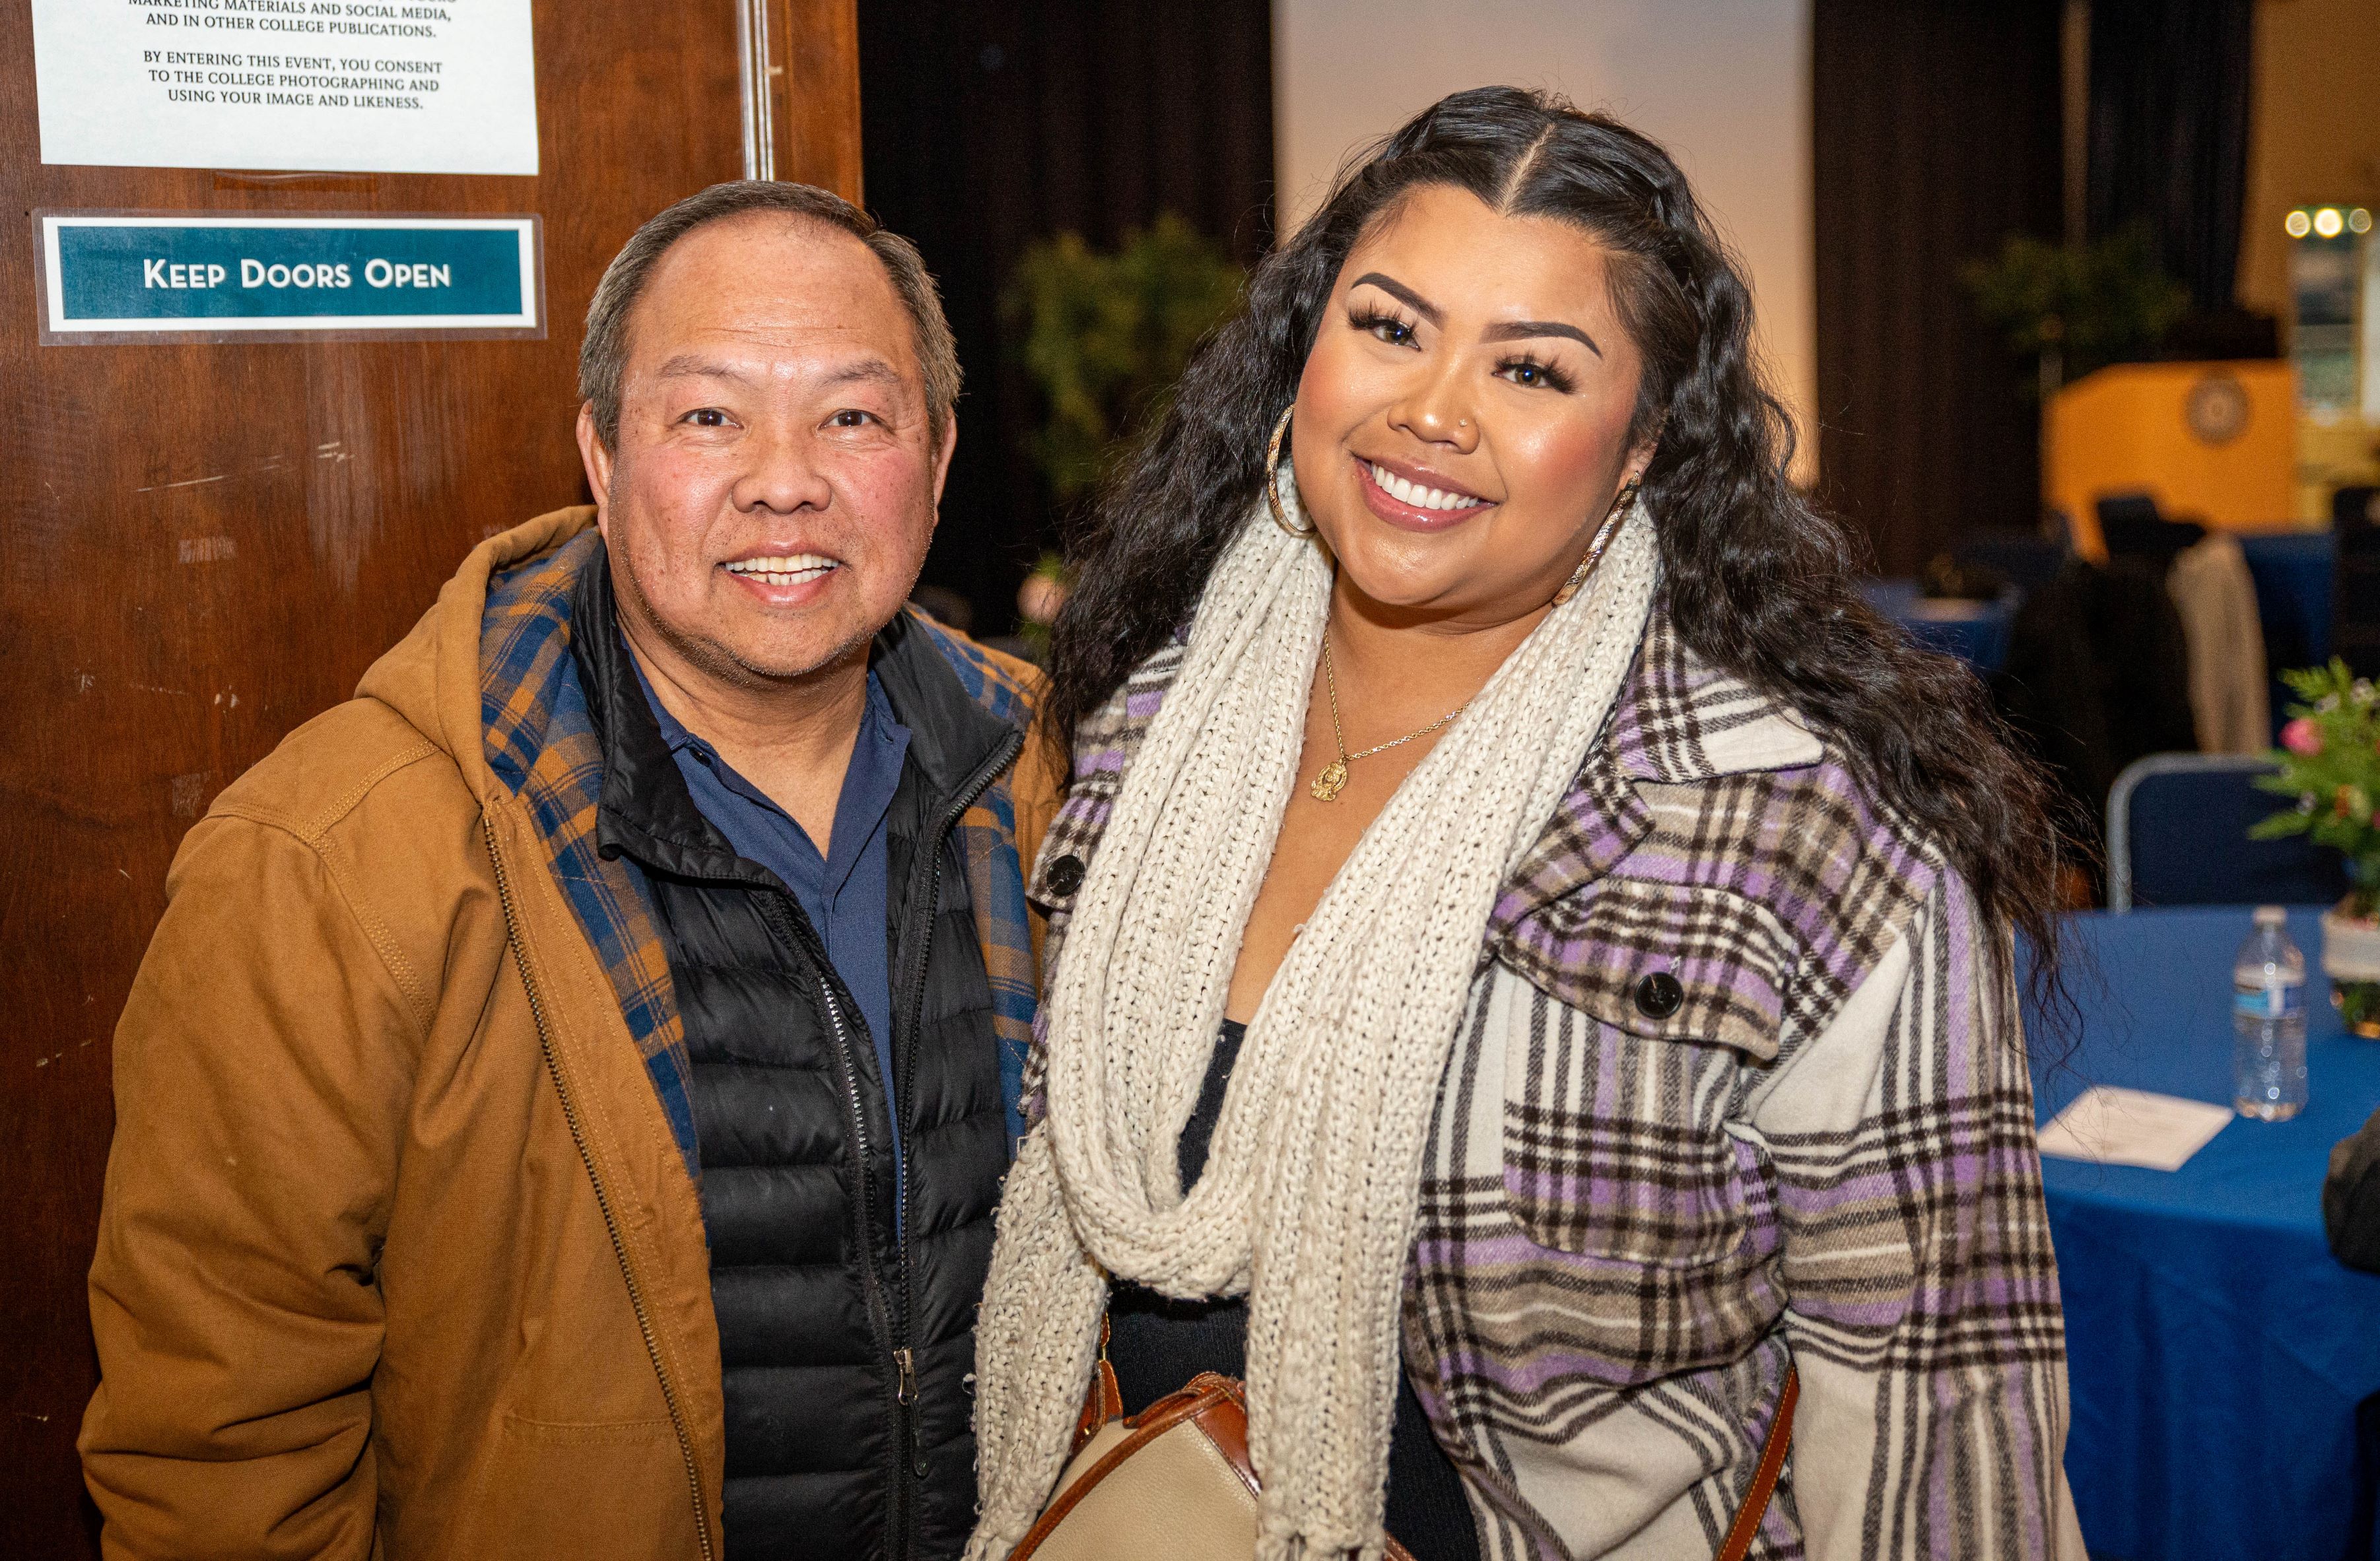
{"x":1976,"y":631}
{"x":2217,"y":1350}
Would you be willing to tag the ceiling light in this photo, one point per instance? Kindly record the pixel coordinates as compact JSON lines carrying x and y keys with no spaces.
{"x":2298,"y":225}
{"x":2327,"y":222}
{"x":2359,"y":221}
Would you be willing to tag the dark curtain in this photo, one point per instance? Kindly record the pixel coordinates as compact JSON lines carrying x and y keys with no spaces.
{"x":987,"y":126}
{"x":2169,"y":104}
{"x":1935,"y":135}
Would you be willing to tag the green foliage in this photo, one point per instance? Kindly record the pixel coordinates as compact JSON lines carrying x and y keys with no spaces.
{"x":2082,"y":306}
{"x":2330,"y":767}
{"x":1105,"y":336}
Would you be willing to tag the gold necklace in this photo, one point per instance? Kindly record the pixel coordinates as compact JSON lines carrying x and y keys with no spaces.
{"x":1333,"y":778}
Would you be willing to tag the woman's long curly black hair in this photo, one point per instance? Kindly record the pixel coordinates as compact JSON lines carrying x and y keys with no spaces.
{"x":1755,"y":580}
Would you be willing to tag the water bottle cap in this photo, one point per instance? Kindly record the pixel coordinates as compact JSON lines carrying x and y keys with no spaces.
{"x":2271,"y":916}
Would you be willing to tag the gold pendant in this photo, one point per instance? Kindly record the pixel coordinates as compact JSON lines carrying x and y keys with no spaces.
{"x":1330,"y":782}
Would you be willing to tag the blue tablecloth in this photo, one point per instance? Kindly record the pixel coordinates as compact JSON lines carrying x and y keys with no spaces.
{"x":2216,"y":1350}
{"x":1976,"y":632}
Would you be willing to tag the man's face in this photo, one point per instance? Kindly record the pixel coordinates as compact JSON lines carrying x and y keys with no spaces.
{"x":770,"y":494}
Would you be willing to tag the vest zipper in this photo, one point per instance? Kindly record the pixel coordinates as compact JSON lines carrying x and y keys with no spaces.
{"x":872,"y":1286}
{"x":602,"y":1198}
{"x":920,"y":940}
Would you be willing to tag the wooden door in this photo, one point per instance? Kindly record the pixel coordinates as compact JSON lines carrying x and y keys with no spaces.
{"x":202,"y":545}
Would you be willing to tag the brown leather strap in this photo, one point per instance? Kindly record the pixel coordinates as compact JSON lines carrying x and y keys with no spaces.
{"x":1764,"y":1478}
{"x":1102,"y":1402}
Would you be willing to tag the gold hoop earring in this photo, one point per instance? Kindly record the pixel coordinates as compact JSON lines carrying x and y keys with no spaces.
{"x":1603,"y":534}
{"x":1272,"y":476}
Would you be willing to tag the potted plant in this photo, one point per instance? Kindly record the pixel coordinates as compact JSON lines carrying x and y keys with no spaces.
{"x":2329,"y":761}
{"x":1103,"y":337}
{"x":2069,"y":309}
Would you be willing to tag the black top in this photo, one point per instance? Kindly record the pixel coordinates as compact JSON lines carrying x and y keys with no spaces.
{"x":1157,"y":1346}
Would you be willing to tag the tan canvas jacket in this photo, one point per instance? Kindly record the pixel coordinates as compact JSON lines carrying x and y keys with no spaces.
{"x":398,"y":1256}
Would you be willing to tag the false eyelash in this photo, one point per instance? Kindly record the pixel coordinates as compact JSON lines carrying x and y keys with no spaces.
{"x":1551,"y":377}
{"x":1363,"y":318}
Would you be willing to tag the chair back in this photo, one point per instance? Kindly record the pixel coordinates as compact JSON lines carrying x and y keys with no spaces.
{"x":2132,"y":526}
{"x":2178,"y":835}
{"x":2028,"y":561}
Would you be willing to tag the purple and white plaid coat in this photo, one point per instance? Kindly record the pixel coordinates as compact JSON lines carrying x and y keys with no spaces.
{"x":1635,"y":1215}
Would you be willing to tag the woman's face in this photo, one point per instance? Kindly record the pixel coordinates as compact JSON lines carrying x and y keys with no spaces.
{"x":1463,"y":420}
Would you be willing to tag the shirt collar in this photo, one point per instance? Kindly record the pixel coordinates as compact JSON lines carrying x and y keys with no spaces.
{"x":1679,"y":720}
{"x":879,"y":729}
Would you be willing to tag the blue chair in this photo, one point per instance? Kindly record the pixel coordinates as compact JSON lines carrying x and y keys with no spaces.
{"x":2178,"y":835}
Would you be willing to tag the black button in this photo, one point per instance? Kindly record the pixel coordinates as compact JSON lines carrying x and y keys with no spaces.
{"x":1065,"y":874}
{"x":1659,"y":996}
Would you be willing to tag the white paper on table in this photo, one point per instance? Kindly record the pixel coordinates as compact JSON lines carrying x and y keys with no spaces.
{"x":2133,"y":1127}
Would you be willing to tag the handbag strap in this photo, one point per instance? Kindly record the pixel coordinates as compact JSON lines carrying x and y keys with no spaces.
{"x":1764,"y":1477}
{"x":1102,"y":1402}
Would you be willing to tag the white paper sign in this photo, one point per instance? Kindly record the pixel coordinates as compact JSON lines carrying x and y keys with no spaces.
{"x":363,"y":85}
{"x":2132,"y":1127}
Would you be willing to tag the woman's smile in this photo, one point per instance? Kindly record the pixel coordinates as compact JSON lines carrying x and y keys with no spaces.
{"x":1415,"y":501}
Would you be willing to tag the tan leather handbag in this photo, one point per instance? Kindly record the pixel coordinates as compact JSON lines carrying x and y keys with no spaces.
{"x":1173,"y":1483}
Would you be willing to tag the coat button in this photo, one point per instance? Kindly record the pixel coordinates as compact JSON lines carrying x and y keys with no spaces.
{"x":1065,"y":874}
{"x":1659,"y":996}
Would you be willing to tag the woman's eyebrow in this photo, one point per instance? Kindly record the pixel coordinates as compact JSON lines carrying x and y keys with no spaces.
{"x":1402,"y":295}
{"x":1522,"y":330}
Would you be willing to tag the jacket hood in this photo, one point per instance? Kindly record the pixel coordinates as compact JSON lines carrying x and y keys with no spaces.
{"x":432,"y":677}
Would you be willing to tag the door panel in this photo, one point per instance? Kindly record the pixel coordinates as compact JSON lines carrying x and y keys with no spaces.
{"x":203,"y":546}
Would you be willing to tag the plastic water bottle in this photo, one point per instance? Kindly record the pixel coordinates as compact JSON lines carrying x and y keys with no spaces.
{"x":2268,"y":1022}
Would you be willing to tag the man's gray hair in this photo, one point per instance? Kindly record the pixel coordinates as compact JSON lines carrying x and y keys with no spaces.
{"x":603,"y":355}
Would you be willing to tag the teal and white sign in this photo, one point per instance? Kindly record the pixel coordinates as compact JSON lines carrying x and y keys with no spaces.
{"x":113,"y":276}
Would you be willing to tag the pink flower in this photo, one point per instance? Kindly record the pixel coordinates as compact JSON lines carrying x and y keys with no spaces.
{"x":2301,"y":737}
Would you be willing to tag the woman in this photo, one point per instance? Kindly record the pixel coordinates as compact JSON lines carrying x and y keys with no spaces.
{"x":1618,"y":914}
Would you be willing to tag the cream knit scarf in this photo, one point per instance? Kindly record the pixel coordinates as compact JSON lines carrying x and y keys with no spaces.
{"x":1311,"y":1188}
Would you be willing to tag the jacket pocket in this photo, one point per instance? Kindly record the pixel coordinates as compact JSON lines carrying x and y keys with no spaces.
{"x":1619,"y":1084}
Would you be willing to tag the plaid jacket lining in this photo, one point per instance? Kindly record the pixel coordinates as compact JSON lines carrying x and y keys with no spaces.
{"x":541,"y":745}
{"x":1628,"y":1224}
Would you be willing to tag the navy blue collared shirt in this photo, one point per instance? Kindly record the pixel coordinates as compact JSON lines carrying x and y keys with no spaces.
{"x":844,"y":891}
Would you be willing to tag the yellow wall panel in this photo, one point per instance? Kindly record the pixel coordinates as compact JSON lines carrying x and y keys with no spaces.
{"x":2213,"y":442}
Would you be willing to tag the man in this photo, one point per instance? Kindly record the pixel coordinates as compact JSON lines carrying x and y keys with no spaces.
{"x":562,"y":1110}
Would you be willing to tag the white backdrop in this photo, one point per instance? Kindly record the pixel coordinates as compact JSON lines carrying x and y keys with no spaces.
{"x":1724,"y":84}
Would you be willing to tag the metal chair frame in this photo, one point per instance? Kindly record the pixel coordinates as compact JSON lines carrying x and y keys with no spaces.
{"x":2119,"y":806}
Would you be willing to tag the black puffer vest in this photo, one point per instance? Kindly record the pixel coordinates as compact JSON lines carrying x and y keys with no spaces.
{"x":844,"y":1346}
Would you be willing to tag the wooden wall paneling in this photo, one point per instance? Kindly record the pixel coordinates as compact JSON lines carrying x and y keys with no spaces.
{"x":817,"y":92}
{"x":203,"y":546}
